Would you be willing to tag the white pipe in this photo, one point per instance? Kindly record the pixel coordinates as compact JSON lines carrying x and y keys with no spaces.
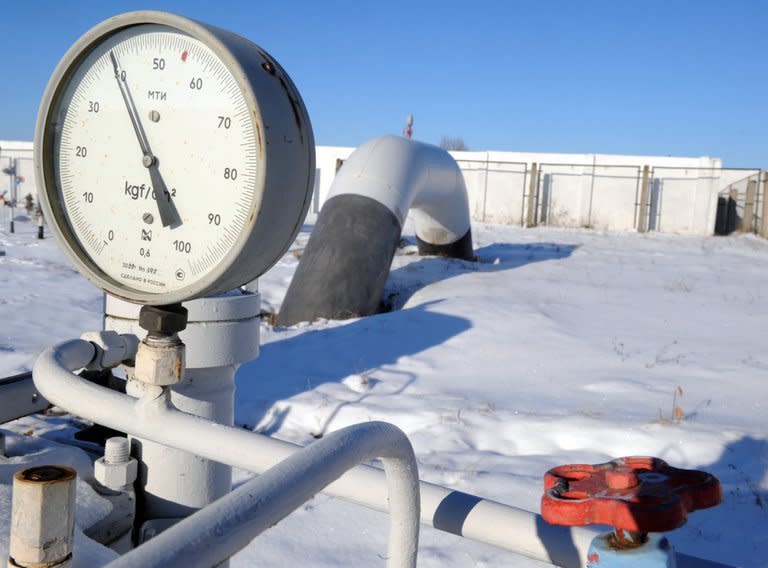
{"x":344,"y":267}
{"x":404,"y":175}
{"x":175,"y":483}
{"x":153,"y":418}
{"x":215,"y":533}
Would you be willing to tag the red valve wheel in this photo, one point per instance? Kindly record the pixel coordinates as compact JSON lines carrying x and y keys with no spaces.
{"x":642,"y":494}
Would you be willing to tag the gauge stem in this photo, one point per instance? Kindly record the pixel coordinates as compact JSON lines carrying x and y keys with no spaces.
{"x":169,"y":216}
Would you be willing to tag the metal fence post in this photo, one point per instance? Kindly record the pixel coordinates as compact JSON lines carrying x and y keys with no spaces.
{"x":591,"y":191}
{"x":530,"y":218}
{"x":485,"y":185}
{"x":764,"y":220}
{"x":749,"y":206}
{"x":642,"y":219}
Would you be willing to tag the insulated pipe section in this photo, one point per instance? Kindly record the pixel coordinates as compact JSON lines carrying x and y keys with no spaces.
{"x":154,"y":418}
{"x":215,"y":533}
{"x":358,"y":229}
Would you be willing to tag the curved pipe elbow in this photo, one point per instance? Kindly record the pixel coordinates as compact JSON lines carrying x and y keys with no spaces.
{"x":402,"y":174}
{"x":347,"y":259}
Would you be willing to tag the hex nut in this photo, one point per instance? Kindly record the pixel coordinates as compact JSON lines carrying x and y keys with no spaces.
{"x":160,"y":362}
{"x":115,"y":475}
{"x":163,"y":319}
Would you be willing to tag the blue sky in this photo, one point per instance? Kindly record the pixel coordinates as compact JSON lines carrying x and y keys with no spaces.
{"x":622,"y":77}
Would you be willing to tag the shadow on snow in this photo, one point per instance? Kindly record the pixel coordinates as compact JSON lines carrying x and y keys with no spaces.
{"x":405,"y":281}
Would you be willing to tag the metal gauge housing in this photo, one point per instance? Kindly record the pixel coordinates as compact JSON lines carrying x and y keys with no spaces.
{"x":177,"y":158}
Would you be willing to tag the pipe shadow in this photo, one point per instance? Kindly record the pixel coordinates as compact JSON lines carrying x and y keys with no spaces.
{"x":300,"y":363}
{"x":405,"y":281}
{"x":733,"y":532}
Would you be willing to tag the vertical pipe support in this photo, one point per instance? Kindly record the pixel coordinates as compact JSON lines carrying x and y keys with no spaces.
{"x":642,"y":210}
{"x":42,"y":517}
{"x":222,"y":333}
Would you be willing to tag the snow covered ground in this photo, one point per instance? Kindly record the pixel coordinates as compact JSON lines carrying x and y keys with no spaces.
{"x":558,"y":346}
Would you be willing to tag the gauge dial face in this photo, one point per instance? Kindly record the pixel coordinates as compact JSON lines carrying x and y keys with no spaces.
{"x":155,"y":158}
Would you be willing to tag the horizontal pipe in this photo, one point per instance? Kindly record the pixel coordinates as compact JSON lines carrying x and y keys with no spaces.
{"x":218,"y":531}
{"x":154,"y":418}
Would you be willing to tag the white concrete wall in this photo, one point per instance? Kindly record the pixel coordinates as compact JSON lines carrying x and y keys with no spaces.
{"x":581,"y":190}
{"x":574,"y":190}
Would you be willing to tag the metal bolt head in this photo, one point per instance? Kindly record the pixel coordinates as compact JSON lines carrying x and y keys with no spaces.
{"x":116,"y":476}
{"x":163,"y":320}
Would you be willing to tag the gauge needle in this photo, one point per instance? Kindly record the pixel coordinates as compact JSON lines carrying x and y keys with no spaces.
{"x":169,"y":216}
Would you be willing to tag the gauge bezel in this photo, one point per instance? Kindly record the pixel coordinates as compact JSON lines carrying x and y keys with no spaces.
{"x":284,"y":177}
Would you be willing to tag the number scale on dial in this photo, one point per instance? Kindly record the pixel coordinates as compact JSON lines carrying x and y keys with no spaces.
{"x":154,"y":221}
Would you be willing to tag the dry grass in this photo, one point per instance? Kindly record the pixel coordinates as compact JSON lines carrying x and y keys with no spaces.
{"x":678,"y":414}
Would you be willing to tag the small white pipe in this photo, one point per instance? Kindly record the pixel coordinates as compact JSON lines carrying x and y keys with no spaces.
{"x":154,"y":418}
{"x":215,"y":533}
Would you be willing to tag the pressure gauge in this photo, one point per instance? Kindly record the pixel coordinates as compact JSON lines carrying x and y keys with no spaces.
{"x":177,"y":158}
